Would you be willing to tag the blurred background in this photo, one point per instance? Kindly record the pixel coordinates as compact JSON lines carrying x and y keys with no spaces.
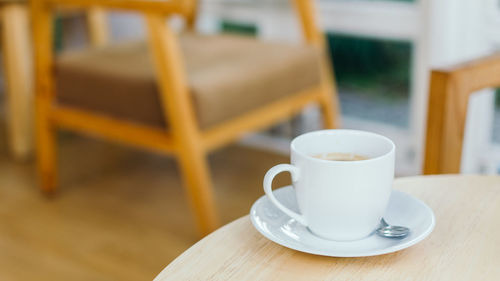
{"x":120,"y":213}
{"x":382,"y":53}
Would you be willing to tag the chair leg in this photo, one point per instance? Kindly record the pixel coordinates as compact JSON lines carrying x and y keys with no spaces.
{"x":198,"y":185}
{"x":46,"y":148}
{"x":18,"y":68}
{"x":174,"y":95}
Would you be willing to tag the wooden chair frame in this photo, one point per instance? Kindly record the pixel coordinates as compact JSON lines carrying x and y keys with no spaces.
{"x":184,"y":139}
{"x":16,"y":47}
{"x":450,"y":90}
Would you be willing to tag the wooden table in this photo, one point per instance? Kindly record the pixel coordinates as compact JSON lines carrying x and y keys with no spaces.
{"x":465,"y":244}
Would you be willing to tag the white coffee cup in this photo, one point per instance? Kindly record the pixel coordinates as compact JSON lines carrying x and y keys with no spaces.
{"x":338,"y":200}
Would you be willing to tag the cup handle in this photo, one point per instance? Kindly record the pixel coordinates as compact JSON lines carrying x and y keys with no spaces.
{"x":268,"y":181}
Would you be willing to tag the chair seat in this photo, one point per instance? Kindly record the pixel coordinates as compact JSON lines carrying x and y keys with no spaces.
{"x":227,"y":75}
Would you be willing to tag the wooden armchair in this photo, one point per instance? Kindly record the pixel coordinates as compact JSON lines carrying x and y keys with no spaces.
{"x":186,"y":96}
{"x":450,"y":90}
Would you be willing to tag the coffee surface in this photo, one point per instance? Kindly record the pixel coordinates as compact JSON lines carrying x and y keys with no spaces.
{"x":339,"y":156}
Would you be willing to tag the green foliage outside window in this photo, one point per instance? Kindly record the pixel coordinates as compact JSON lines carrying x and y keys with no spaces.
{"x":245,"y":29}
{"x":377,"y":68}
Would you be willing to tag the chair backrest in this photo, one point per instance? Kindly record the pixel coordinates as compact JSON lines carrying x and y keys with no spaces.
{"x":449,"y":94}
{"x":99,"y":31}
{"x":98,"y":28}
{"x":97,"y":24}
{"x":304,"y":8}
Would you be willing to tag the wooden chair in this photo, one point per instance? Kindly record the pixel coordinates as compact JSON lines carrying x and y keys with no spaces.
{"x":180,"y":106}
{"x":16,"y":47}
{"x":450,"y":90}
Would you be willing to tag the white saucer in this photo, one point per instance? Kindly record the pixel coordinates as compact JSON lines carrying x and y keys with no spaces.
{"x":403,"y":209}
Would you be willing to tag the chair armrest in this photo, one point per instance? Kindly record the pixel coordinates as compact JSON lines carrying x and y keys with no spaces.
{"x":475,"y":74}
{"x":449,"y":92}
{"x":145,"y":6}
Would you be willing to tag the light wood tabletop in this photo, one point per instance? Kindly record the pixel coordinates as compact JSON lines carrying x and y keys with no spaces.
{"x":465,"y":244}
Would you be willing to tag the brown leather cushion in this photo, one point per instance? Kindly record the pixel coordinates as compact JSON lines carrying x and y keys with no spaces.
{"x":228,"y":75}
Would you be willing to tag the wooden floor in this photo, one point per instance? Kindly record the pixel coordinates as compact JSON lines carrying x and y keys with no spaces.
{"x":120,"y":213}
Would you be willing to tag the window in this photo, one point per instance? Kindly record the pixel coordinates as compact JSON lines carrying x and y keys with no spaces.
{"x":373,"y":78}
